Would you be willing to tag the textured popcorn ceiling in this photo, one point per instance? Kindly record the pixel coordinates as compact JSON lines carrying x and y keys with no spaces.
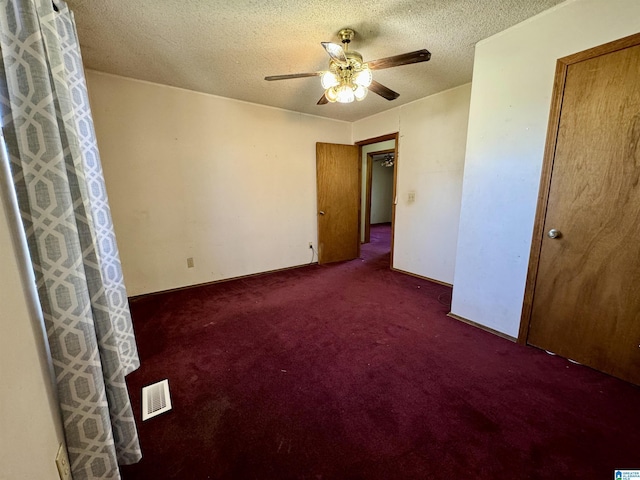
{"x":227,"y":47}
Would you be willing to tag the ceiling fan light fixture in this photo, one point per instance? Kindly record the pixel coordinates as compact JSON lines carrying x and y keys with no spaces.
{"x":344,"y":84}
{"x":349,"y":77}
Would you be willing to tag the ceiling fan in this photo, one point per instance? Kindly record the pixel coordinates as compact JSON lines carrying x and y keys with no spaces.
{"x":349,"y":78}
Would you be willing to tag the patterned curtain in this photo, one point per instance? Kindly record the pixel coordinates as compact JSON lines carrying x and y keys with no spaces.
{"x":49,"y":135}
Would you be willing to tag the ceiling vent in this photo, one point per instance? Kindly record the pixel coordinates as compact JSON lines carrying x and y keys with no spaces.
{"x":155,"y":399}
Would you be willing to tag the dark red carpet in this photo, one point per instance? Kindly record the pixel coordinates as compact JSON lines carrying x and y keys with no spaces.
{"x":352,"y":371}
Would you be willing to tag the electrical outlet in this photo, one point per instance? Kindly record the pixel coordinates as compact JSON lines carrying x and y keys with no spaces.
{"x":310,"y":244}
{"x":190,"y":262}
{"x":62,"y":462}
{"x":412,"y":197}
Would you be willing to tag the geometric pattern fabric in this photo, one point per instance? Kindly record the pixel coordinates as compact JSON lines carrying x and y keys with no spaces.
{"x":55,"y":165}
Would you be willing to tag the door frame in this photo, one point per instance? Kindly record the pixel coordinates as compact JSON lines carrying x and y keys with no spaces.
{"x":383,"y":138}
{"x":562,"y":67}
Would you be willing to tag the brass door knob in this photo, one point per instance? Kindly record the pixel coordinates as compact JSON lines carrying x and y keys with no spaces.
{"x":553,"y":233}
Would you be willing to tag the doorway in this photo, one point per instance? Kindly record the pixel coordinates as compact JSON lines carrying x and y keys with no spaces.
{"x":379,"y":158}
{"x":344,"y":176}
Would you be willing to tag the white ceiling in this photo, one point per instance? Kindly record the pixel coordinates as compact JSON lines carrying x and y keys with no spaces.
{"x":226,"y":47}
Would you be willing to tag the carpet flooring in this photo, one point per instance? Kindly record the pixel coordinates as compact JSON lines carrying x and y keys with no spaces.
{"x":354,"y":371}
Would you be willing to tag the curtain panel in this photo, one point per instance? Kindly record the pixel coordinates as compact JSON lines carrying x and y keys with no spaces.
{"x":55,"y":165}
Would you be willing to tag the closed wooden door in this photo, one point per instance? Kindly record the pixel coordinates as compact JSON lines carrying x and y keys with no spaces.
{"x":338,"y":179}
{"x":586,"y":302}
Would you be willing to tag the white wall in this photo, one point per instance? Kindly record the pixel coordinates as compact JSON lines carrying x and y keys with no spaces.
{"x":512,"y":85}
{"x":383,"y":123}
{"x":30,"y":425}
{"x":430,"y":164}
{"x":229,"y":183}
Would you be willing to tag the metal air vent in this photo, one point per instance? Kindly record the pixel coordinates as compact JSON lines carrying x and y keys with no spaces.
{"x":155,"y":399}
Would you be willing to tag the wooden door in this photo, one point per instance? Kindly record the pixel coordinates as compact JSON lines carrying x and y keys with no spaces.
{"x":586,"y":296}
{"x":338,"y":169}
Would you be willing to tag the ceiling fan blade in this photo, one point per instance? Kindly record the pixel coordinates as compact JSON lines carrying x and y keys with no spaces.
{"x":292,"y":75}
{"x":403,"y":59}
{"x":383,"y":91}
{"x":335,"y":51}
{"x":323,"y":100}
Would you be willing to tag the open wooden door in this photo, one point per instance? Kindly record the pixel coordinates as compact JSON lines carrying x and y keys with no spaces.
{"x":338,"y":178}
{"x":583,"y":290}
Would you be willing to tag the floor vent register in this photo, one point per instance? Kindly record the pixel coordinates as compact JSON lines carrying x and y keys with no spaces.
{"x":155,"y":399}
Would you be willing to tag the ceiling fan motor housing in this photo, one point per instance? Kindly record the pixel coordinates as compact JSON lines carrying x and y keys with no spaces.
{"x":346,"y":71}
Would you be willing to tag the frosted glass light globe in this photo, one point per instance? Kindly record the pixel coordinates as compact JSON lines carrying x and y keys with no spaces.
{"x":363,"y":78}
{"x":360,"y":92}
{"x":345,"y":94}
{"x":329,"y":79}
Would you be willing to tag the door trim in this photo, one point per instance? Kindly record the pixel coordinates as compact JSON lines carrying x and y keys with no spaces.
{"x":562,"y":66}
{"x":383,"y":138}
